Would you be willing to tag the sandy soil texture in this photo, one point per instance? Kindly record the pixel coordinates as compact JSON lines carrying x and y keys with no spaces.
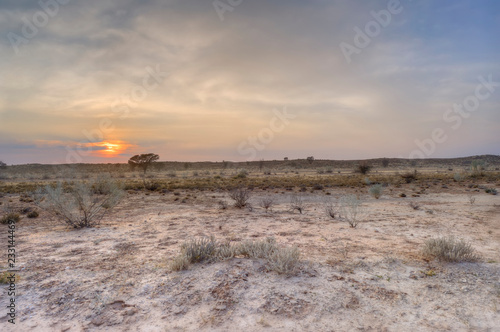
{"x":115,"y":277}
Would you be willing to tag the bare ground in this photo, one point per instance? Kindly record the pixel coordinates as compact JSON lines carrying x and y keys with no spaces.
{"x":371,"y":278}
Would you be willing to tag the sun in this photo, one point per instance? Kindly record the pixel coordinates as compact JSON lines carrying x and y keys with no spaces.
{"x":110,"y":148}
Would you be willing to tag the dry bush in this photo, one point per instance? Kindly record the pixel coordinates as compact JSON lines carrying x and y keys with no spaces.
{"x":331,"y":209}
{"x":199,"y":250}
{"x":10,"y":218}
{"x":297,"y":203}
{"x":33,"y":214}
{"x":450,"y":249}
{"x":83,"y":205}
{"x":267,"y":203}
{"x":280,"y":260}
{"x":351,"y":209}
{"x":376,"y":190}
{"x":222,"y":204}
{"x":409,"y":177}
{"x":363,"y":168}
{"x":284,"y":260}
{"x":257,"y":249}
{"x":414,"y":205}
{"x":240,"y":197}
{"x":472,"y":199}
{"x":179,"y":263}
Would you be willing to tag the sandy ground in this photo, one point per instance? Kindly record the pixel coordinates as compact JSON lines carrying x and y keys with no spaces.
{"x":371,"y":278}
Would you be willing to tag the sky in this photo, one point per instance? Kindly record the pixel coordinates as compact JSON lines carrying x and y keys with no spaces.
{"x":100,"y":81}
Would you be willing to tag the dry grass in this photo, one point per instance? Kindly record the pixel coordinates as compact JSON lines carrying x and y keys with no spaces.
{"x":10,"y":218}
{"x":450,"y":249}
{"x":281,"y":260}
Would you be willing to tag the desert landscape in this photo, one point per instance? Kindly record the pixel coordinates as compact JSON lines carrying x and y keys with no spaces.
{"x":237,"y":165}
{"x":372,"y":275}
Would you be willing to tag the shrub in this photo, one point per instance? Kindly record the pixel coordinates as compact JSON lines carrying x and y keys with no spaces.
{"x":81,"y":206}
{"x":297,"y":203}
{"x":351,"y":209}
{"x":376,"y":190}
{"x":267,"y":203}
{"x":257,"y":249}
{"x":179,"y":263}
{"x":414,"y":205}
{"x":331,"y":209}
{"x":240,"y":197}
{"x":10,"y":218}
{"x":222,"y":204}
{"x":491,"y":191}
{"x":33,"y":214}
{"x":241,"y":174}
{"x":199,"y":250}
{"x":409,"y":177}
{"x":458,"y":177}
{"x":363,"y":168}
{"x":284,"y":260}
{"x":477,"y":168}
{"x":280,"y":260}
{"x":450,"y":249}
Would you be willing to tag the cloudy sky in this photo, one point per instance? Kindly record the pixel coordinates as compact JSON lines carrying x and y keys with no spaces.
{"x":100,"y":81}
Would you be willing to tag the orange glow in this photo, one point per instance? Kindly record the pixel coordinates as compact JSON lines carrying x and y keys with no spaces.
{"x":113,"y":148}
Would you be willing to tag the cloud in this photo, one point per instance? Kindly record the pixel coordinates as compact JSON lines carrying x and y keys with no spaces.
{"x":225,"y":77}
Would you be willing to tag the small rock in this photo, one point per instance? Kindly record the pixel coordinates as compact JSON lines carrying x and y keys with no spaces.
{"x":220,"y":307}
{"x":65,"y":328}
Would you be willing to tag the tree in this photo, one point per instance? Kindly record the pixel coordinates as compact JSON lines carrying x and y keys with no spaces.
{"x":2,"y":165}
{"x":363,"y":168}
{"x":143,"y":161}
{"x":310,"y":160}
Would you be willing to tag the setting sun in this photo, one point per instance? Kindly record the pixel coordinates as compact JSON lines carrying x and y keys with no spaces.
{"x":111,"y":148}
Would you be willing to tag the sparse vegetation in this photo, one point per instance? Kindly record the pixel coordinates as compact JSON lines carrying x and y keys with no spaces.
{"x":409,"y":177}
{"x":81,"y":206}
{"x":450,"y":249}
{"x":297,"y":203}
{"x":331,"y":209}
{"x":351,"y":209}
{"x":9,"y":218}
{"x":280,"y":260}
{"x":33,"y":214}
{"x":414,"y":205}
{"x":143,"y":161}
{"x":267,"y":203}
{"x":363,"y":168}
{"x":376,"y":190}
{"x":240,"y":196}
{"x":491,"y":191}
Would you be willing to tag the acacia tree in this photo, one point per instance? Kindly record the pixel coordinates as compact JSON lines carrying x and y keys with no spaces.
{"x":143,"y":161}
